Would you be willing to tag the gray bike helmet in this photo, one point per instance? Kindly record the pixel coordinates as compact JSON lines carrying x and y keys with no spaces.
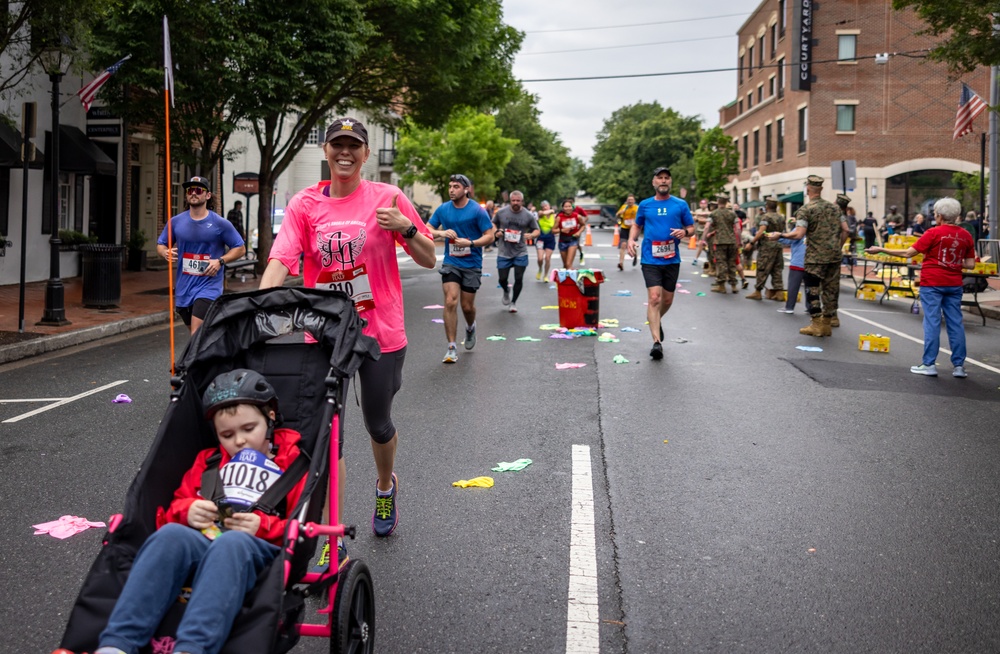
{"x":239,"y":386}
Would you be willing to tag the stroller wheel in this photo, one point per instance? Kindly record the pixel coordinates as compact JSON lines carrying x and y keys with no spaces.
{"x":354,"y":611}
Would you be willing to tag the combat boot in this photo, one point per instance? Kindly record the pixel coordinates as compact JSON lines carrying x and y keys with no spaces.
{"x":768,"y":294}
{"x":834,"y":321}
{"x":756,"y":295}
{"x":779,"y":296}
{"x":820,"y":326}
{"x":735,"y":288}
{"x":718,"y":288}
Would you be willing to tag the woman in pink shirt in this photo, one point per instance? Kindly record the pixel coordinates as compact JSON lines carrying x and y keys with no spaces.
{"x":947,"y":248}
{"x":347,"y":230}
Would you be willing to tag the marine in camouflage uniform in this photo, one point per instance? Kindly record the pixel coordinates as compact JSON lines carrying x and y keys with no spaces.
{"x":822,"y":224}
{"x":721,"y":222}
{"x":770,"y":254}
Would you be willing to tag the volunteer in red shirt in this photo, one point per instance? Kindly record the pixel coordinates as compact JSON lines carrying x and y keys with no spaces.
{"x":947,"y":249}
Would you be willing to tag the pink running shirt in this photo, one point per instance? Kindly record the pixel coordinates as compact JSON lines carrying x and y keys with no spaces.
{"x":346,"y":250}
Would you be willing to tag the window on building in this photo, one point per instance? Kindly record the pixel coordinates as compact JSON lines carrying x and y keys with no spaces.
{"x":312,"y":138}
{"x":741,"y":69}
{"x":803,"y":128}
{"x":767,"y":143}
{"x":739,"y":106}
{"x":749,"y":100}
{"x":760,"y":93}
{"x":781,"y":17}
{"x":746,"y":149}
{"x":781,"y":77}
{"x":771,"y":85}
{"x":774,"y":40}
{"x":760,"y":51}
{"x":756,"y":147}
{"x":750,"y":61}
{"x":845,"y":117}
{"x":847,"y":47}
{"x":779,"y":139}
{"x":176,"y":192}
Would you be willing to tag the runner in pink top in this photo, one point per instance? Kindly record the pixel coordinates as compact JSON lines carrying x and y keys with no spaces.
{"x":347,"y":230}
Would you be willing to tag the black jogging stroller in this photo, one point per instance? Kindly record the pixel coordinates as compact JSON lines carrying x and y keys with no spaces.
{"x":256,"y":330}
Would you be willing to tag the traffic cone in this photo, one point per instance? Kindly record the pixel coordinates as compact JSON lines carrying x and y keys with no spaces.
{"x":589,"y":240}
{"x":693,"y":243}
{"x":614,"y":239}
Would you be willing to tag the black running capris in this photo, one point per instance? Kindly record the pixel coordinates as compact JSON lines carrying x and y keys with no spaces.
{"x":379,"y":382}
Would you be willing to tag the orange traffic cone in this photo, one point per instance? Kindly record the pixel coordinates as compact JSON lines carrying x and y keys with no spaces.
{"x":615,"y":239}
{"x":589,"y":240}
{"x":693,"y":243}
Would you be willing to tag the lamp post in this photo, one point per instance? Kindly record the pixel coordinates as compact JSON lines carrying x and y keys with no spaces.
{"x":54,"y":62}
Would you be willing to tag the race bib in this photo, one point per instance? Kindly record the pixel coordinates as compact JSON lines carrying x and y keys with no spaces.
{"x":568,"y":224}
{"x":195,"y":264}
{"x":512,"y":235}
{"x":246,"y":477}
{"x":664,"y":249}
{"x":460,"y":250}
{"x":354,"y":282}
{"x":628,"y":222}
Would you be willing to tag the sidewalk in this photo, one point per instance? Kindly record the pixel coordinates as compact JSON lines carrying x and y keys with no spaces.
{"x":144,"y":302}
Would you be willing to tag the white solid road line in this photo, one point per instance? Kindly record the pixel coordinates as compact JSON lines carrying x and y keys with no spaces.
{"x":582,"y":623}
{"x":919,"y":341}
{"x":64,"y":401}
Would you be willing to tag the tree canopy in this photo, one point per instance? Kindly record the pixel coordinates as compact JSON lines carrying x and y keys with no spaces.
{"x":540,"y":163}
{"x":634,"y":141}
{"x":714,"y":161}
{"x":470,"y":143}
{"x":966,"y":28}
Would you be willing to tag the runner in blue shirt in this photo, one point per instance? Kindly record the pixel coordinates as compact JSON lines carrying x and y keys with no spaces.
{"x":465,"y":228}
{"x":664,"y":221}
{"x":203,"y":243}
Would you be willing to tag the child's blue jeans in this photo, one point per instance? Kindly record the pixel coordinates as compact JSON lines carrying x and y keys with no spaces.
{"x":225,"y":570}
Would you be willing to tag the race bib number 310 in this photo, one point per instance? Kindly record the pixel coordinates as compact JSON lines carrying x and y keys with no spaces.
{"x":246,"y":477}
{"x":354,"y":282}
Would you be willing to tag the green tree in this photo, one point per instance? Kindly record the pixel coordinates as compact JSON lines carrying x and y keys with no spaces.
{"x":714,"y":161}
{"x":634,"y":141}
{"x":968,"y":189}
{"x":965,"y":28}
{"x":470,"y":143}
{"x":284,"y":68}
{"x":540,"y":160}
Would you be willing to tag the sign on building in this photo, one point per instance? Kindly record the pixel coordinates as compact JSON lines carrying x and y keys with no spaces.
{"x":802,"y":44}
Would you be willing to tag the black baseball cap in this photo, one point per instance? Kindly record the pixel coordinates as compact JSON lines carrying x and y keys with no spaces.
{"x":662,"y":169}
{"x":197,"y":181}
{"x":347,"y":127}
{"x":461,"y":179}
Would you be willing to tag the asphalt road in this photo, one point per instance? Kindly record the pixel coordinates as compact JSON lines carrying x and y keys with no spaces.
{"x":747,"y":495}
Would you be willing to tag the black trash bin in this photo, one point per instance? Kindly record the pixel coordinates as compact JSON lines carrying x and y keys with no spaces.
{"x":102,"y":275}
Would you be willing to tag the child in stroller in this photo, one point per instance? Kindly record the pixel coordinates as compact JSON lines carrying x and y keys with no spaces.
{"x":255,"y":331}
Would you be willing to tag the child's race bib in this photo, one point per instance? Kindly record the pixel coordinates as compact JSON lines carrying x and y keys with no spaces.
{"x":195,"y":264}
{"x":664,"y":249}
{"x":246,"y":477}
{"x":353,"y":282}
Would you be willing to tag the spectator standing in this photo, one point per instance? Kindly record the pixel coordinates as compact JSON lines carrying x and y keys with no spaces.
{"x":235,"y":216}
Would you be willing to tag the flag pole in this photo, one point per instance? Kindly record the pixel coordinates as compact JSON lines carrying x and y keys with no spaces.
{"x":168,"y":176}
{"x":994,"y":108}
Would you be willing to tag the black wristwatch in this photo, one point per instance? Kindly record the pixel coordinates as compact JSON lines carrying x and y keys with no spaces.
{"x":411,"y":232}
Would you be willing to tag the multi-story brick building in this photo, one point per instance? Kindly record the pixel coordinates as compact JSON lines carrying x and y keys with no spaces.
{"x":893,"y":116}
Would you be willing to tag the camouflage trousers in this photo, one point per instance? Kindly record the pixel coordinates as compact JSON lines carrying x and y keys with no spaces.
{"x":770,"y":263}
{"x":725,"y":263}
{"x":822,"y":281}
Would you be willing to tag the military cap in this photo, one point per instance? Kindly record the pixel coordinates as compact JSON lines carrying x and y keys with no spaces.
{"x":712,"y":203}
{"x":843,"y":200}
{"x":814,"y":180}
{"x":723,"y":196}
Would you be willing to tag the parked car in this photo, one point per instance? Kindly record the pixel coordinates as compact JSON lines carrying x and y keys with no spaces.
{"x":600,"y":215}
{"x":276,"y":218}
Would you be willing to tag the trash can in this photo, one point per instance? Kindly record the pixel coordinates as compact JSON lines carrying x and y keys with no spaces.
{"x":579,"y":297}
{"x":102,"y":275}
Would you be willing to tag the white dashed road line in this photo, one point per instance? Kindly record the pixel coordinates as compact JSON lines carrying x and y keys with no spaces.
{"x":65,"y":400}
{"x":582,"y":632}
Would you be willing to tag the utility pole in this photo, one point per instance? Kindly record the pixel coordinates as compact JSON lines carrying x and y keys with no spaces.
{"x":994,"y":108}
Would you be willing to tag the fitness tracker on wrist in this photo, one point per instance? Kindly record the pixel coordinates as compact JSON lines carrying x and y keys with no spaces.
{"x":411,"y":232}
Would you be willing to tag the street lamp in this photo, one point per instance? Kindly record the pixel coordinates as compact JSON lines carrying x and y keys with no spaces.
{"x":55,"y":62}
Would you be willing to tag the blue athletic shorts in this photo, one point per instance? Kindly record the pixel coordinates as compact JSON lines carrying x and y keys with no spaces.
{"x":510,"y":262}
{"x":567,"y":243}
{"x":546,"y":242}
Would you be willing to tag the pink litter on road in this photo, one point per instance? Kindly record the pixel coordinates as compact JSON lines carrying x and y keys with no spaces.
{"x":434,"y":306}
{"x":122,"y":399}
{"x":66,"y":526}
{"x":684,"y":291}
{"x":569,"y":366}
{"x":560,"y":335}
{"x":440,"y":321}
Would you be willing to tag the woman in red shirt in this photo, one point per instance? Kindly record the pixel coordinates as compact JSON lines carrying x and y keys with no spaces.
{"x":568,"y":226}
{"x":947,"y":249}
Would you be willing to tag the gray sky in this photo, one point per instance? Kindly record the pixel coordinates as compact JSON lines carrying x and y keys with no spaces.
{"x":577,"y":110}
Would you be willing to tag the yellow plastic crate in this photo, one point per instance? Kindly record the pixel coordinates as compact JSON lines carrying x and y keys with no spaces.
{"x":868,"y":293}
{"x":873,"y":343}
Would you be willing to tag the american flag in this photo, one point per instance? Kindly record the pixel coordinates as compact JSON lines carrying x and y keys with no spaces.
{"x":89,"y":92}
{"x":970,"y":105}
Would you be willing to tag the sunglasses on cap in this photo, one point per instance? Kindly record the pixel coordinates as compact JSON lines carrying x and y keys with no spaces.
{"x":461,"y":179}
{"x":196,"y":190}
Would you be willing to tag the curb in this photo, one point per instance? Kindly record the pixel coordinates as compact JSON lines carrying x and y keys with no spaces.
{"x":44,"y":344}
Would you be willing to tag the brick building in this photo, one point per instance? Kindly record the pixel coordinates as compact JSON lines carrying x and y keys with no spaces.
{"x":894,"y":116}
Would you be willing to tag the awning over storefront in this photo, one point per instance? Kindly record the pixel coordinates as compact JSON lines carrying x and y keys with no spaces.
{"x":752,"y":204}
{"x":794,"y":198}
{"x":78,"y":154}
{"x":10,"y":149}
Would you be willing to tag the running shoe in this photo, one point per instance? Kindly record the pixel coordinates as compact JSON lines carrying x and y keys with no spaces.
{"x":581,"y":256}
{"x":538,"y":275}
{"x":959,"y":372}
{"x":506,"y":297}
{"x":656,"y":352}
{"x":693,"y":263}
{"x":386,"y":517}
{"x":930,"y":371}
{"x":783,"y":310}
{"x":451,"y":356}
{"x":745,"y":283}
{"x":512,"y":308}
{"x":470,"y":338}
{"x":323,"y":563}
{"x":621,"y":267}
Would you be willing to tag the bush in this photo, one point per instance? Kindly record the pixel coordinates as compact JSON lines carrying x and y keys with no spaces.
{"x":72,"y":238}
{"x":137,"y":240}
